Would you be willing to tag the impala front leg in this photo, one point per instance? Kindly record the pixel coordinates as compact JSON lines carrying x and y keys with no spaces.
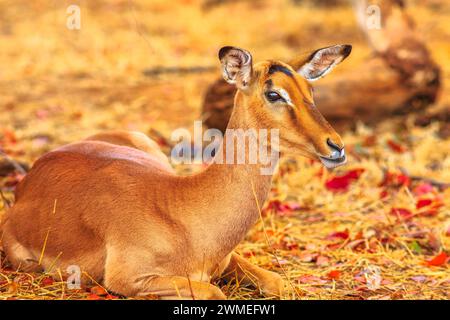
{"x":269,"y":282}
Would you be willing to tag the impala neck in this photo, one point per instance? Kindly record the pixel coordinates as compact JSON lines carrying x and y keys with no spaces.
{"x":233,"y":192}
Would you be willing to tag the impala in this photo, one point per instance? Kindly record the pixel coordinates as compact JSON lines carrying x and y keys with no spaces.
{"x":113,"y":205}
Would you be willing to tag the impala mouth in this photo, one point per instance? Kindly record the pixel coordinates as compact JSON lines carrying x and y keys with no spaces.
{"x":333,"y":161}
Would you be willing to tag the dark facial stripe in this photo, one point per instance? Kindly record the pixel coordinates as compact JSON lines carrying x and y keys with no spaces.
{"x":293,"y":116}
{"x":279,"y":68}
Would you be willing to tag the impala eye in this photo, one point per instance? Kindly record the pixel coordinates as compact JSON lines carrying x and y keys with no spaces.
{"x":274,"y":96}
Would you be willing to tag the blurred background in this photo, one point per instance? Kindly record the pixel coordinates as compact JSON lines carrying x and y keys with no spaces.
{"x":97,"y":74}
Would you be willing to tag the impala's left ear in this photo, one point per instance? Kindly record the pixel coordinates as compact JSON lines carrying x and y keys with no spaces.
{"x":319,"y":63}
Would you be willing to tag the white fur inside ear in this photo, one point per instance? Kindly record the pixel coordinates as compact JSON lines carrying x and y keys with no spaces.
{"x":321,"y":63}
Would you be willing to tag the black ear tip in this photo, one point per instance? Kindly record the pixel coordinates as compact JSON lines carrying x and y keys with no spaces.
{"x":223,"y":51}
{"x":346,"y":50}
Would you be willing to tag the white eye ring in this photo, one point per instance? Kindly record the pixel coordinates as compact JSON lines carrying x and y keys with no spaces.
{"x":285,"y":96}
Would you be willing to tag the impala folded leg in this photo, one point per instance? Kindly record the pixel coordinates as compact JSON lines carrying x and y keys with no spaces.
{"x":270,"y":283}
{"x":128,"y":271}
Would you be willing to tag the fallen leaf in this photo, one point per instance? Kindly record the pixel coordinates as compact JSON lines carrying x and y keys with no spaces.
{"x":9,"y":137}
{"x":93,"y":297}
{"x":342,"y":183}
{"x":334,"y":274}
{"x":282,"y":209}
{"x":439,"y":260}
{"x":99,"y":291}
{"x":384,"y":194}
{"x":47,"y":281}
{"x":393,"y":179}
{"x":338,"y":235}
{"x":402,"y":213}
{"x":395,"y":146}
{"x":423,"y":188}
{"x":249,"y":254}
{"x":370,"y":141}
{"x":355,"y":244}
{"x":429,"y":206}
{"x":292,"y":246}
{"x":423,"y":203}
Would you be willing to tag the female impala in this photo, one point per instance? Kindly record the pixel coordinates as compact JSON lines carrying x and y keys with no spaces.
{"x":113,"y":206}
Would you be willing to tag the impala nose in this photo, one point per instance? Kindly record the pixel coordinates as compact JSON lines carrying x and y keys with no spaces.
{"x":337,"y":156}
{"x":337,"y":151}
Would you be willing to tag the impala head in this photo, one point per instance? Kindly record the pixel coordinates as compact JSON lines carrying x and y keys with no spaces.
{"x":279,"y":95}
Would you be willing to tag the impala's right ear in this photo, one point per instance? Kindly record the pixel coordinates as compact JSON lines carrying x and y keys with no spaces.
{"x":316,"y":65}
{"x":237,"y":66}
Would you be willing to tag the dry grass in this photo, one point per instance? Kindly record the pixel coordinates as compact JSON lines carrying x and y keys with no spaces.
{"x":57,"y":86}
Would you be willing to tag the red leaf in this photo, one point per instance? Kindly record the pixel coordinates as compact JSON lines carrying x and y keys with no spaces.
{"x":338,"y":235}
{"x":249,"y":254}
{"x":403,"y":213}
{"x":396,"y":146}
{"x":47,"y":281}
{"x":423,"y":188}
{"x":395,"y":179}
{"x":99,"y":291}
{"x":338,"y":184}
{"x":334,"y":246}
{"x":9,"y":136}
{"x":430,"y":206}
{"x":403,"y":180}
{"x":355,"y":173}
{"x":93,"y":297}
{"x":430,"y":212}
{"x":384,"y":194}
{"x":423,"y":203}
{"x":439,"y":260}
{"x":282,"y":209}
{"x":334,"y":274}
{"x":341,"y":183}
{"x":292,"y":246}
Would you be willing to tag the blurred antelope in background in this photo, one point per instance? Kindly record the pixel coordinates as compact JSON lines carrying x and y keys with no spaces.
{"x":113,"y":205}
